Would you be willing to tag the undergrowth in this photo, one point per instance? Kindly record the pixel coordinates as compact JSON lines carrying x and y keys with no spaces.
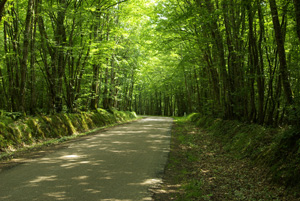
{"x":276,"y":149}
{"x":215,"y":163}
{"x":30,"y":130}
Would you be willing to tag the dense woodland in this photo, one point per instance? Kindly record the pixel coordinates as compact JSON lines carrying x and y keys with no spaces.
{"x":233,"y":59}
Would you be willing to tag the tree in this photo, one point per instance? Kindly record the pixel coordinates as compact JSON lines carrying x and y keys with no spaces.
{"x":297,"y":13}
{"x":281,"y":53}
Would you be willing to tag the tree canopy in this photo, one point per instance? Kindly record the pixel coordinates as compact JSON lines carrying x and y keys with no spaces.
{"x":231,"y":59}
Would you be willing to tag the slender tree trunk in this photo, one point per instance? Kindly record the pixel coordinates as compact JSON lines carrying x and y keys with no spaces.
{"x":33,"y":98}
{"x":60,"y":59}
{"x":2,"y":4}
{"x":9,"y":70}
{"x":253,"y":62}
{"x":281,"y":53}
{"x":260,"y":67}
{"x":297,"y":12}
{"x":106,"y":90}
{"x":23,"y":62}
{"x":96,"y":68}
{"x":94,"y":89}
{"x":112,"y":83}
{"x":218,"y":39}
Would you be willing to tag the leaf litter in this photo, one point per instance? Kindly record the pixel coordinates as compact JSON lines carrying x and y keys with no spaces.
{"x":200,"y":169}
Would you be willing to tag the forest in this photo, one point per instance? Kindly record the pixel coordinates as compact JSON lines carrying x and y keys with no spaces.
{"x":230,"y":59}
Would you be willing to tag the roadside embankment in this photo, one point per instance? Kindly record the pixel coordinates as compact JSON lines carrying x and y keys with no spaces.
{"x":276,"y":149}
{"x":30,"y":130}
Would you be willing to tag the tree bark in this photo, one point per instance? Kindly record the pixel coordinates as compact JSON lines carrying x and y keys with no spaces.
{"x":60,"y":58}
{"x":281,"y":53}
{"x":2,"y":4}
{"x":260,"y":67}
{"x":218,"y":39}
{"x":33,"y":98}
{"x":253,"y":62}
{"x":23,"y":62}
{"x":297,"y":12}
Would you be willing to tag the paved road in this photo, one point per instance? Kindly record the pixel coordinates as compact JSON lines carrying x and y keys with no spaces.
{"x":121,"y":163}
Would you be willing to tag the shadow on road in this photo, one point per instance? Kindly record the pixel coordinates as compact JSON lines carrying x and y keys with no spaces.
{"x":122,"y":163}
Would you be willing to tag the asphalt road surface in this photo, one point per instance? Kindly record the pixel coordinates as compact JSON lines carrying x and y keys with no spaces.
{"x":121,"y":163}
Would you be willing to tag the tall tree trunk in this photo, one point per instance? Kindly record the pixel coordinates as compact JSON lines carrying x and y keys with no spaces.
{"x":95,"y":77}
{"x":23,"y":62}
{"x":111,"y":99}
{"x":260,"y":67}
{"x":281,"y":53}
{"x":33,"y":98}
{"x":253,"y":62}
{"x":2,"y":4}
{"x":218,"y":39}
{"x":106,"y":90}
{"x":95,"y":87}
{"x":60,"y":60}
{"x":297,"y":12}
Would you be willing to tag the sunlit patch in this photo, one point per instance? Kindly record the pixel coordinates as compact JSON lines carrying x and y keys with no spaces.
{"x":125,"y":151}
{"x":70,"y":156}
{"x":80,"y":177}
{"x":116,"y":151}
{"x":151,"y":181}
{"x":118,"y":142}
{"x":57,"y":195}
{"x":148,"y":182}
{"x":155,"y":141}
{"x":114,"y":200}
{"x":92,"y":191}
{"x":83,"y":183}
{"x":62,"y":186}
{"x":44,"y":178}
{"x":154,"y":148}
{"x":48,"y":161}
{"x":106,"y":178}
{"x":5,"y":197}
{"x":91,"y":146}
{"x":159,"y":136}
{"x":68,"y":165}
{"x":85,"y":162}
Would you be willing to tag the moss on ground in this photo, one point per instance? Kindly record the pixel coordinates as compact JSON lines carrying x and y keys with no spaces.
{"x":16,"y":134}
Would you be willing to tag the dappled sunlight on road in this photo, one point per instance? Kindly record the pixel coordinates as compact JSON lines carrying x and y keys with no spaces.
{"x":121,"y":163}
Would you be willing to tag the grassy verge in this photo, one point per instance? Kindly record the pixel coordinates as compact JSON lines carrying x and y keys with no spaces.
{"x":276,"y":149}
{"x":200,"y":167}
{"x":32,"y":132}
